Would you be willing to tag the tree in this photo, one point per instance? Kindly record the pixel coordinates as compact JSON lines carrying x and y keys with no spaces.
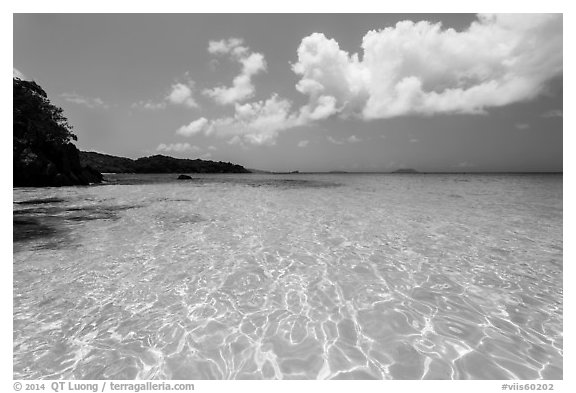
{"x":43,"y":154}
{"x":37,"y":123}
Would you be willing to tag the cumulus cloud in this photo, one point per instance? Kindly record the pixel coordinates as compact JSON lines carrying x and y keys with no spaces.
{"x":408,"y":69}
{"x":522,"y":126}
{"x":421,"y":68}
{"x":353,"y":139}
{"x":177,"y":148}
{"x":242,"y":87}
{"x":182,"y":94}
{"x":303,"y":143}
{"x":85,"y":101}
{"x":231,"y":45}
{"x":258,"y":122}
{"x":194,"y":127}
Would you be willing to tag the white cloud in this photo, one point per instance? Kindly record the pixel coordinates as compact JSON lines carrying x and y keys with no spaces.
{"x":350,"y":139}
{"x":194,"y":127}
{"x":421,"y":68}
{"x":414,"y":140}
{"x":407,"y":69}
{"x":182,"y":94}
{"x":242,"y":87}
{"x":553,"y":113}
{"x":231,"y":45}
{"x":522,"y":126}
{"x":334,"y":141}
{"x":303,"y":143}
{"x":213,"y":148}
{"x":149,"y":105}
{"x":257,"y":122}
{"x":17,"y":74}
{"x":235,"y":140}
{"x":177,"y":147}
{"x":206,"y":156}
{"x":85,"y":101}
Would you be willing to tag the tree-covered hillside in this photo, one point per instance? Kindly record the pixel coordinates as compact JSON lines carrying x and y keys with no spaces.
{"x":43,"y":153}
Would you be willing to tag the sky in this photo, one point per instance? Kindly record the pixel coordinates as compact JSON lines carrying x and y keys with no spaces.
{"x":307,"y":92}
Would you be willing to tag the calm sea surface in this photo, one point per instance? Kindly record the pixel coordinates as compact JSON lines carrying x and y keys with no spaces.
{"x":290,"y":276}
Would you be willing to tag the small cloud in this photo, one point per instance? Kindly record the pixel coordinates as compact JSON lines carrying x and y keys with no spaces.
{"x":522,"y":126}
{"x":234,"y":140}
{"x":17,"y":74}
{"x":334,"y":141}
{"x":213,"y":148}
{"x":303,"y":143}
{"x":177,"y":147}
{"x":242,"y":86}
{"x":206,"y":156}
{"x":553,"y":113}
{"x":353,"y":139}
{"x":226,"y":46}
{"x":148,"y":105}
{"x":85,"y":101}
{"x":194,"y":127}
{"x":414,"y":140}
{"x":182,"y":94}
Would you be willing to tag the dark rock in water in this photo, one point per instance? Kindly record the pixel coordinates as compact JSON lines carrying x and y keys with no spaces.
{"x":184,"y":177}
{"x":43,"y":154}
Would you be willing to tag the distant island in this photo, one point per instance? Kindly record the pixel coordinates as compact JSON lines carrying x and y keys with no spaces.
{"x":406,"y":170}
{"x":106,"y":163}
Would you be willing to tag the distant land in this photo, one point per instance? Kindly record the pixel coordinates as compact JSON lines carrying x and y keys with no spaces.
{"x":406,"y":170}
{"x":106,"y":163}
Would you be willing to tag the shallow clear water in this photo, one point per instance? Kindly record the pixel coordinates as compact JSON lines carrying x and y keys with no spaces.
{"x":296,"y":276}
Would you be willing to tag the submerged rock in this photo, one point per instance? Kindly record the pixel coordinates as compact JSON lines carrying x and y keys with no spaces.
{"x":184,"y":177}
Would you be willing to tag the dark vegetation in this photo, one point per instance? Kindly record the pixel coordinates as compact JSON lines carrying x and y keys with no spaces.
{"x":406,"y":170}
{"x":156,"y":164}
{"x":43,"y":153}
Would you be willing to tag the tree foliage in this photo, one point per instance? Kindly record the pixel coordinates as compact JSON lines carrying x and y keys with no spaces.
{"x":37,"y":123}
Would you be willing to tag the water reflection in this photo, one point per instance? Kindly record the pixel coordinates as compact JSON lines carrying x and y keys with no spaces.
{"x":359,"y":281}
